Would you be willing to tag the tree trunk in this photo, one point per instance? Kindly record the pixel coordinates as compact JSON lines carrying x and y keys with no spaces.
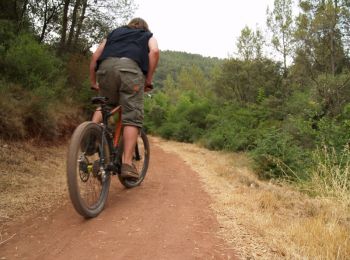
{"x":49,"y":13}
{"x":284,"y":56}
{"x":64,"y":25}
{"x":73,"y":24}
{"x":43,"y":30}
{"x":333,"y":51}
{"x":80,"y":22}
{"x":23,"y":12}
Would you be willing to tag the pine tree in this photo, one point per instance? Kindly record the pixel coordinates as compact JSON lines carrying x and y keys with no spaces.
{"x":280,"y":22}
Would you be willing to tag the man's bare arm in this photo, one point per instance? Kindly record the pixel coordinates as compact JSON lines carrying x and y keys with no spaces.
{"x":93,"y":62}
{"x":153,"y":56}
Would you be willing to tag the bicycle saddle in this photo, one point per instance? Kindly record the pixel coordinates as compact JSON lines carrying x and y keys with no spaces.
{"x":99,"y":100}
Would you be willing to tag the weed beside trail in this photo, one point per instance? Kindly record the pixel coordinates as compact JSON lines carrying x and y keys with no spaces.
{"x":331,"y":176}
{"x":269,"y":220}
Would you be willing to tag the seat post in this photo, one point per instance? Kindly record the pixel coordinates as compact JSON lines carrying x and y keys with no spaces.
{"x":104,"y":114}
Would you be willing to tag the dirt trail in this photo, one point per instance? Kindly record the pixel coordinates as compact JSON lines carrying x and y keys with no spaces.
{"x":167,"y":217}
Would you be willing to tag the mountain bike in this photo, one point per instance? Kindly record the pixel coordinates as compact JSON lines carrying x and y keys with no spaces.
{"x":95,"y":154}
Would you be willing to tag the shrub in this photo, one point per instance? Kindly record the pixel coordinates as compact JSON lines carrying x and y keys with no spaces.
{"x":7,"y":34}
{"x":232,"y":127}
{"x":13,"y":106}
{"x":277,"y":156}
{"x":27,"y":114}
{"x":156,"y":107}
{"x":333,"y":133}
{"x":31,"y":64}
{"x":183,"y":120}
{"x":332,"y":92}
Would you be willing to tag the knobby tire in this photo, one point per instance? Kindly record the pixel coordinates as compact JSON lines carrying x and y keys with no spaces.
{"x":83,"y":170}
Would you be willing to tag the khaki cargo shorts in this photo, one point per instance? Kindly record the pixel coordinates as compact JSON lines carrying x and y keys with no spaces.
{"x":122,"y":82}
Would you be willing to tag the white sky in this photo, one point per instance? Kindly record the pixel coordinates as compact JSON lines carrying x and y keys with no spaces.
{"x":205,"y":27}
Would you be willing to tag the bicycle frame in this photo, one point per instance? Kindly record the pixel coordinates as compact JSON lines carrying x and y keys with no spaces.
{"x":106,"y":115}
{"x":117,"y":133}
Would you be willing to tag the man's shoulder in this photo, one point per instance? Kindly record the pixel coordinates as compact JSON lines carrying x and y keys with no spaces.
{"x":121,"y":28}
{"x":125,"y":30}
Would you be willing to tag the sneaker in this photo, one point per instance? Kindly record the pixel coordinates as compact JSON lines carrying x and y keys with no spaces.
{"x":129,"y":171}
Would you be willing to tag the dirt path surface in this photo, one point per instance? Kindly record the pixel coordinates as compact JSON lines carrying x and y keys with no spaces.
{"x":167,"y":217}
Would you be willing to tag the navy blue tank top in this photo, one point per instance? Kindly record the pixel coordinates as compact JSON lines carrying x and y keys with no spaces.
{"x":129,"y":43}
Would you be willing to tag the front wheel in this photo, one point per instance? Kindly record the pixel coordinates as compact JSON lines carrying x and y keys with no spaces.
{"x":140,"y":160}
{"x":88,"y":182}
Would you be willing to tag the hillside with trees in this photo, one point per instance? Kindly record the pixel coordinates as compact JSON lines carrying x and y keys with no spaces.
{"x":290,"y":113}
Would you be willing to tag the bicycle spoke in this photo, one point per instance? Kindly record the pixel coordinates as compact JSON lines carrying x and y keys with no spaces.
{"x":90,"y":187}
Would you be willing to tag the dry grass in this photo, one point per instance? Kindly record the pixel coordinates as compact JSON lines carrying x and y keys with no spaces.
{"x":331,"y":177}
{"x":265,"y":220}
{"x":32,"y":181}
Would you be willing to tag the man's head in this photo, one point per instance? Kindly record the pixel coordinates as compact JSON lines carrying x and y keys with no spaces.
{"x":138,"y":23}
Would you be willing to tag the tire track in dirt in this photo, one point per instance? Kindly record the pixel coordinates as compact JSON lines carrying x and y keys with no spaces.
{"x":167,"y":217}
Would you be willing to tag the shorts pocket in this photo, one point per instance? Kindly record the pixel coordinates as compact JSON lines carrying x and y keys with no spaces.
{"x":132,"y":81}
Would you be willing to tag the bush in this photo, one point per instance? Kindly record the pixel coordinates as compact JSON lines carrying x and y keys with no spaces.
{"x":36,"y":100}
{"x":27,"y":114}
{"x":277,"y":156}
{"x":333,"y":133}
{"x":7,"y":34}
{"x":31,"y":64}
{"x":13,"y":100}
{"x":232,"y":127}
{"x":184,"y":120}
{"x":155,"y":112}
{"x":23,"y":113}
{"x":332,"y":92}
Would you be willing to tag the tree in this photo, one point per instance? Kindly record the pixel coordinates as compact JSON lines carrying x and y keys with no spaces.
{"x":14,"y":11}
{"x":244,"y":81}
{"x":321,"y":31}
{"x":64,"y":25}
{"x":280,"y":22}
{"x":73,"y":22}
{"x":321,"y":35}
{"x":45,"y":14}
{"x":77,"y":24}
{"x":250,"y":44}
{"x":91,"y":20}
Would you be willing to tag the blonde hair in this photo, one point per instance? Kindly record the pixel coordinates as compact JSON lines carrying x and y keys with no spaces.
{"x":138,"y":23}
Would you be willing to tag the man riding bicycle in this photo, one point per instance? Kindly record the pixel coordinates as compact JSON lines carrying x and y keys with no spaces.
{"x":124,"y":65}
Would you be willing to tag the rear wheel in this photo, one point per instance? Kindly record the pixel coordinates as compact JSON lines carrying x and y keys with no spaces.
{"x":140,"y":160}
{"x":88,"y":183}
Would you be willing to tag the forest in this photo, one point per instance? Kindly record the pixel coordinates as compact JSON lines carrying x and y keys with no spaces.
{"x":290,"y":112}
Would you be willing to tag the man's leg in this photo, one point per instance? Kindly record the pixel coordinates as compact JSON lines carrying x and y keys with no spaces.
{"x":97,"y":117}
{"x":130,"y":134}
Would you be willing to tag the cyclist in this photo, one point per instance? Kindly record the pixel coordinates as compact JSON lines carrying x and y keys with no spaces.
{"x":124,"y":65}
